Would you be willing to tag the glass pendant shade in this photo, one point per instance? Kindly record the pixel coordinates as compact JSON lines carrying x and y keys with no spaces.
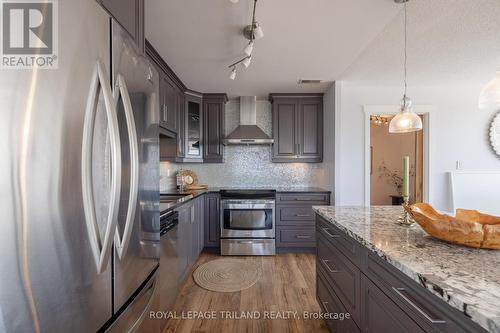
{"x":406,"y":120}
{"x":489,"y":98}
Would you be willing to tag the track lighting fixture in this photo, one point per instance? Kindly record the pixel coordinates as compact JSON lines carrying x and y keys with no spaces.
{"x":251,"y":32}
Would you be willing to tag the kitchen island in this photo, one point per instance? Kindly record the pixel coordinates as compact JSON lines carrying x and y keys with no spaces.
{"x":391,"y":276}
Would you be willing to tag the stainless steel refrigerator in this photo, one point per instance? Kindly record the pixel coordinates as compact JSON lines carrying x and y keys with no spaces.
{"x":79,"y":237}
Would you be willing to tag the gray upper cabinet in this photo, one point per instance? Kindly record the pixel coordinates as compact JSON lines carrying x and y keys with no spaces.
{"x":130,"y":15}
{"x":297,"y":128}
{"x":193,"y":127}
{"x":180,"y":124}
{"x":213,"y":127}
{"x":169,"y":104}
{"x":171,"y":94}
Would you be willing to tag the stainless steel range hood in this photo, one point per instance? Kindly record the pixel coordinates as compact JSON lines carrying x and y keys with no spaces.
{"x":248,"y":133}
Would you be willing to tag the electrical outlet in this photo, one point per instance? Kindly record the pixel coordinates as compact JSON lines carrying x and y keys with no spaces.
{"x":458,"y":165}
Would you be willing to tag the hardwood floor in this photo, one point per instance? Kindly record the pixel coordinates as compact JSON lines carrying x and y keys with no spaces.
{"x":287,"y":284}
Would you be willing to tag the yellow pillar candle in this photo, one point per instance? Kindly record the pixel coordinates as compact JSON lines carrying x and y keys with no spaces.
{"x":406,"y":176}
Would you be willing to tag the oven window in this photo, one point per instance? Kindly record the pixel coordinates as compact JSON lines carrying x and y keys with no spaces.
{"x":248,"y":219}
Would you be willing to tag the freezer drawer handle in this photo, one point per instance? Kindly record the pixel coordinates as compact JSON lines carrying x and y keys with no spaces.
{"x":121,"y":244}
{"x":152,"y":291}
{"x":101,"y":249}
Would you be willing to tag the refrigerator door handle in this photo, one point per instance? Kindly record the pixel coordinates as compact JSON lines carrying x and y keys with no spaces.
{"x":101,"y":248}
{"x":121,"y":243}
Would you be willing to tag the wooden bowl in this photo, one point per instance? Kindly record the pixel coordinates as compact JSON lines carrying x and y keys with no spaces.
{"x":468,"y":227}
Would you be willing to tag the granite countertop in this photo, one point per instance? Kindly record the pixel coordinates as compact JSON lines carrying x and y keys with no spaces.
{"x":467,"y":279}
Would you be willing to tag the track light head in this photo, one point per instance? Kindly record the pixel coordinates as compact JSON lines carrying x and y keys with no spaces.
{"x":232,"y":75}
{"x":246,"y":62}
{"x":248,"y":49}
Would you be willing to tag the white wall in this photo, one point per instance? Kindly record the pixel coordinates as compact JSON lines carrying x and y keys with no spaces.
{"x":459,"y":132}
{"x":389,"y":150}
{"x":329,"y":139}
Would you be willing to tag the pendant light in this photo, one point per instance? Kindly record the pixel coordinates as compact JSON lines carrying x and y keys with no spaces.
{"x":406,"y":120}
{"x":489,"y":98}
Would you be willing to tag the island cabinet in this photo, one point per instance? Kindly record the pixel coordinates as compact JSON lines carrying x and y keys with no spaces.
{"x":295,"y":219}
{"x":214,"y":106}
{"x":130,"y":15}
{"x":212,"y":220}
{"x":378,"y":297}
{"x":297,"y":128}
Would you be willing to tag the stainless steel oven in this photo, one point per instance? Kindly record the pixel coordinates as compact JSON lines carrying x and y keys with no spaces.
{"x":247,"y":222}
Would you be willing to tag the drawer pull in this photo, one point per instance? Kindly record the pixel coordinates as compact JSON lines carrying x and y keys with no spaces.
{"x":400,"y":292}
{"x":326,"y":231}
{"x":325,"y":305}
{"x":325,"y":263}
{"x":302,"y":215}
{"x":303,"y":237}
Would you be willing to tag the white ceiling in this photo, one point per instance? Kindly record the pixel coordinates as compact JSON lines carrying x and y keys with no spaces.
{"x":449,"y":42}
{"x":309,"y":39}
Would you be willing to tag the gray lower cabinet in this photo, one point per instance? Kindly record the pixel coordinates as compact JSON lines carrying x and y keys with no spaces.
{"x":380,"y":314}
{"x":130,"y":15}
{"x":297,"y":128}
{"x":379,"y":298}
{"x":184,"y":239}
{"x":212,"y":220}
{"x":295,"y":219}
{"x":190,"y":234}
{"x":214,"y":106}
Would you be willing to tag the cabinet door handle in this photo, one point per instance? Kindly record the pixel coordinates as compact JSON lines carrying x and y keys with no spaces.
{"x":303,"y":237}
{"x":165,"y":113}
{"x":400,"y":292}
{"x":326,"y":231}
{"x":325,"y":263}
{"x":302,"y":215}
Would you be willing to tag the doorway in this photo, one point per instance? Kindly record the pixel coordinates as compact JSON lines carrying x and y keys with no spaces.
{"x":384,"y":153}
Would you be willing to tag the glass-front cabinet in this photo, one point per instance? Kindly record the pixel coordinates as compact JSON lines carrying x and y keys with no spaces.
{"x":193,"y":128}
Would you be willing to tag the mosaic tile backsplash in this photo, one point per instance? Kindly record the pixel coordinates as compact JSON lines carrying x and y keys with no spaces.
{"x":248,"y":165}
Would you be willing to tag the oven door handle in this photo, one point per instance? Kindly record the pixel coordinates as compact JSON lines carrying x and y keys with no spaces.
{"x":248,"y":201}
{"x":248,"y":206}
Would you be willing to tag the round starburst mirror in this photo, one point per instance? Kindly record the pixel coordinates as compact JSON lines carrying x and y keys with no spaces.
{"x":495,"y":134}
